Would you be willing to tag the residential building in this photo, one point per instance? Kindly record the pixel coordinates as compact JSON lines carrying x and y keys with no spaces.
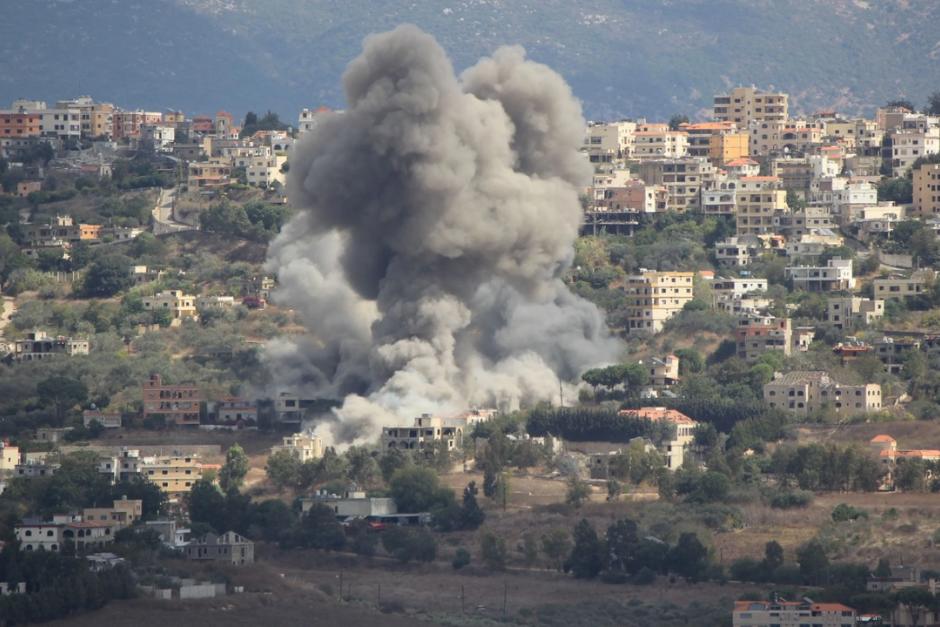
{"x":304,"y":446}
{"x":228,"y":547}
{"x":663,"y":144}
{"x":609,"y":141}
{"x":835,"y":276}
{"x":664,"y":372}
{"x":178,"y":404}
{"x":779,"y":613}
{"x":25,"y":188}
{"x":908,"y":145}
{"x":108,"y":420}
{"x":893,"y":351}
{"x":31,"y":468}
{"x":788,"y":138}
{"x":211,"y":174}
{"x":160,"y":136}
{"x":35,"y":535}
{"x":291,"y":409}
{"x":427,"y":432}
{"x":179,"y":305}
{"x":234,"y":410}
{"x":59,"y":231}
{"x":126,"y":124}
{"x":758,"y":200}
{"x":9,"y":457}
{"x":309,"y":118}
{"x":743,"y":105}
{"x":886,"y":448}
{"x":37,"y":346}
{"x":20,"y":124}
{"x":676,"y":448}
{"x":718,"y":202}
{"x":174,"y":474}
{"x":61,"y":123}
{"x":684,"y":180}
{"x":739,"y":296}
{"x":927,"y":190}
{"x":738,"y":251}
{"x":744,"y":166}
{"x":52,"y":435}
{"x":898,"y":287}
{"x":266,"y":171}
{"x":124,"y":513}
{"x":848,"y":312}
{"x":756,"y":335}
{"x":654,"y":297}
{"x":803,"y":392}
{"x":172,"y":536}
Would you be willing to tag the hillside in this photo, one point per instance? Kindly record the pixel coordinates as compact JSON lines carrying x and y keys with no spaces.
{"x":627,"y":57}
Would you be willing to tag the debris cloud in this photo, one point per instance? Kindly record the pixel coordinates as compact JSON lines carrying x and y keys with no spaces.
{"x":437,"y":216}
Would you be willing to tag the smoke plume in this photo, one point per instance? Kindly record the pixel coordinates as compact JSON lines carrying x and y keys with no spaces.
{"x":437,"y":217}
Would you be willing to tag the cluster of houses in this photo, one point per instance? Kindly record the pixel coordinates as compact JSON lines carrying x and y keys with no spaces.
{"x":211,"y":146}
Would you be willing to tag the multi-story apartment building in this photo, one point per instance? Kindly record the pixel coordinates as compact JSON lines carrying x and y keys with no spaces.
{"x":126,"y":124}
{"x":684,"y":179}
{"x":738,"y":252}
{"x":9,"y":457}
{"x":159,"y":136}
{"x":755,"y":335}
{"x":303,"y":446}
{"x":835,"y":276}
{"x":759,"y":200}
{"x":123,"y":513}
{"x":779,"y":613}
{"x":660,"y":144}
{"x":908,"y":145}
{"x":63,"y":123}
{"x":236,"y":411}
{"x":806,"y":391}
{"x":178,"y":404}
{"x":59,"y":231}
{"x":266,"y":171}
{"x":664,"y":372}
{"x":96,"y":117}
{"x":174,"y":474}
{"x":308,"y":118}
{"x":700,"y":135}
{"x":847,"y":312}
{"x":633,"y":196}
{"x":20,"y":124}
{"x":428,"y":431}
{"x":180,"y":305}
{"x":898,"y":287}
{"x":927,"y":190}
{"x":654,"y":297}
{"x":744,"y":105}
{"x":725,"y":148}
{"x":605,"y":142}
{"x":737,"y":296}
{"x":37,"y":346}
{"x":774,"y":137}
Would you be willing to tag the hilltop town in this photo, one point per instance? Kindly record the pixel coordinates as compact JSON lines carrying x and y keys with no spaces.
{"x":765,"y":452}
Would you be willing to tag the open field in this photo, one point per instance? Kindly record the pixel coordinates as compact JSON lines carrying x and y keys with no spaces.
{"x":908,"y":433}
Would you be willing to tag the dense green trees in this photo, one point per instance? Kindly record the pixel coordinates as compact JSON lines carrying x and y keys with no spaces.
{"x":235,"y":468}
{"x":826,"y":467}
{"x":107,"y":276}
{"x":256,"y":221}
{"x":587,"y":424}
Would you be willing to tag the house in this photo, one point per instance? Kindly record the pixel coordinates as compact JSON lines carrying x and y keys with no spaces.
{"x":234,"y":410}
{"x":756,"y":335}
{"x":25,"y":188}
{"x":835,"y":276}
{"x":792,"y":614}
{"x":354,"y":504}
{"x":805,"y":391}
{"x":228,"y":547}
{"x":52,"y":435}
{"x":174,"y":474}
{"x":124,"y":513}
{"x":847,"y":312}
{"x":901,"y":577}
{"x":304,"y":446}
{"x":426,"y":432}
{"x":35,"y":535}
{"x":742,"y":105}
{"x":664,"y":372}
{"x":892,"y":351}
{"x":759,"y":200}
{"x":211,"y":174}
{"x":9,"y":457}
{"x":886,"y":448}
{"x":172,"y":536}
{"x":179,"y":305}
{"x":674,"y":449}
{"x":927,"y":190}
{"x":898,"y":286}
{"x":108,"y":420}
{"x":654,"y":297}
{"x":37,"y":345}
{"x":31,"y":468}
{"x":738,"y":251}
{"x":215,"y":302}
{"x":179,"y":405}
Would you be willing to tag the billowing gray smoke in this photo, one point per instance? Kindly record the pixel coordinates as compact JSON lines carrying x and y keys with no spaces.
{"x":437,"y":217}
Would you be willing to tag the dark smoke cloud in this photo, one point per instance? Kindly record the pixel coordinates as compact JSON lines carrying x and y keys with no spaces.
{"x":437,"y":218}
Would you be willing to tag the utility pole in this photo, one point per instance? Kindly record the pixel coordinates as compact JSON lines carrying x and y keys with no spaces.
{"x":505,"y":596}
{"x":462,"y":599}
{"x":341,"y":585}
{"x":378,"y":596}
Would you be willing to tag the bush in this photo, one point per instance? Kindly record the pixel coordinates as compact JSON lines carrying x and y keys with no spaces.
{"x":791,"y":500}
{"x":406,"y":544}
{"x":845,"y":513}
{"x":461,"y":559}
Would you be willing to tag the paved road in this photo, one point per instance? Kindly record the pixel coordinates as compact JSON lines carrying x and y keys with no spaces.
{"x":163,"y":221}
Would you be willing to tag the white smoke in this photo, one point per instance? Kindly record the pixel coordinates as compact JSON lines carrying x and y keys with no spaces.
{"x":437,"y":217}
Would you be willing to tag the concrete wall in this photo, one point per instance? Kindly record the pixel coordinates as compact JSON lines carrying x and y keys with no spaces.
{"x":198,"y":591}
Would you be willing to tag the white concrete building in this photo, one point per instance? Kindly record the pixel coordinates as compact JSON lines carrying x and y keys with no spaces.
{"x":835,"y":276}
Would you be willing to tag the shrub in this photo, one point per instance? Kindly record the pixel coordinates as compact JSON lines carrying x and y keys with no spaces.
{"x":844,"y":513}
{"x":791,"y":500}
{"x":461,"y":559}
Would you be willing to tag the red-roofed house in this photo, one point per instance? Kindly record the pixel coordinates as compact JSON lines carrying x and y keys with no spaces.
{"x":674,"y":449}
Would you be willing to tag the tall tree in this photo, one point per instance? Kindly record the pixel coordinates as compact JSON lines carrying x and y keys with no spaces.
{"x":587,"y":555}
{"x":234,"y":469}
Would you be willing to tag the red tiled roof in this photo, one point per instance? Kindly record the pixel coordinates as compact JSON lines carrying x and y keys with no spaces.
{"x":882,"y":437}
{"x":659,"y":414}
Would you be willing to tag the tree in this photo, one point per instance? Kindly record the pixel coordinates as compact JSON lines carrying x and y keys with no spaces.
{"x":578,"y":492}
{"x":319,"y":529}
{"x":917,"y":600}
{"x":689,"y":558}
{"x":773,"y":555}
{"x":814,"y":564}
{"x":622,"y":543}
{"x":471,"y":515}
{"x":587,"y":555}
{"x":416,"y":489}
{"x":234,"y":469}
{"x":883,"y":570}
{"x":556,"y":545}
{"x":461,"y":558}
{"x":899,"y":190}
{"x":493,"y":551}
{"x":613,"y":489}
{"x":207,"y":505}
{"x":410,"y":543}
{"x":677,"y":120}
{"x":62,"y":393}
{"x":794,"y":201}
{"x":283,"y":469}
{"x":107,"y":276}
{"x":153,"y":499}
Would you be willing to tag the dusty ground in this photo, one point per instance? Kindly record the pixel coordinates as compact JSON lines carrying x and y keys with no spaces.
{"x":908,"y":433}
